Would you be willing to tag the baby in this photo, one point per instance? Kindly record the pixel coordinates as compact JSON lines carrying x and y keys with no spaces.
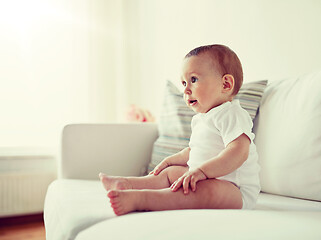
{"x":219,"y":169}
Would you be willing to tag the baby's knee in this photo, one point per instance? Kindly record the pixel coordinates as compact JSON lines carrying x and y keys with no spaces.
{"x":223,"y":194}
{"x":175,"y":172}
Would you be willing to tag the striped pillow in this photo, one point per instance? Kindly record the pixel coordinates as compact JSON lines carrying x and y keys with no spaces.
{"x":174,"y":125}
{"x":250,"y":96}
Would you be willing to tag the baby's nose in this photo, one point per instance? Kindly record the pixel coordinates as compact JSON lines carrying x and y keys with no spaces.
{"x":187,"y":90}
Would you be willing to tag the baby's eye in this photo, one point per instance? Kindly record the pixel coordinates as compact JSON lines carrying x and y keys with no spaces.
{"x":194,"y":79}
{"x":184,"y":83}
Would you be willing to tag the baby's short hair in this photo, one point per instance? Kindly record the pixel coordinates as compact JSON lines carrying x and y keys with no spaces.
{"x":226,"y":61}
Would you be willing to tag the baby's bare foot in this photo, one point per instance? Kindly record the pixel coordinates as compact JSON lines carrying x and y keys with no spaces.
{"x":123,"y":202}
{"x":111,"y":183}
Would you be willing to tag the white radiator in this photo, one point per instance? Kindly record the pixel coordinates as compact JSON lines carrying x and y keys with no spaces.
{"x":23,"y":183}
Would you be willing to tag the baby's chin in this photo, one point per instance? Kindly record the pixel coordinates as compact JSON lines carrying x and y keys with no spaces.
{"x":197,"y":110}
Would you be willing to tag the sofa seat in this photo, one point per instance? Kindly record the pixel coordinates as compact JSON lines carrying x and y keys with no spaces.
{"x":68,"y":213}
{"x":209,"y":224}
{"x":268,"y":201}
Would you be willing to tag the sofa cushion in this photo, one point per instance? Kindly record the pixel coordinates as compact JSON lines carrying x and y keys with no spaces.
{"x":288,"y":137}
{"x":273,"y":202}
{"x":208,"y":224}
{"x":175,"y":120}
{"x":74,"y":205}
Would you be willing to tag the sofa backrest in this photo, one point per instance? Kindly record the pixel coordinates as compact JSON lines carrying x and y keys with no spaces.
{"x":288,"y":137}
{"x":115,"y":149}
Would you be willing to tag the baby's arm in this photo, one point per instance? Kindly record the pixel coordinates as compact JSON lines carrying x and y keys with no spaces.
{"x":179,"y":158}
{"x":231,"y":158}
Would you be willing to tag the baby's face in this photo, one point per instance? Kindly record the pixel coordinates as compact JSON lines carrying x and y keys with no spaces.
{"x":203,"y":85}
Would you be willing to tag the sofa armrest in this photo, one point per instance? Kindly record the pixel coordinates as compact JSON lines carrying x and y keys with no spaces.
{"x":115,"y":149}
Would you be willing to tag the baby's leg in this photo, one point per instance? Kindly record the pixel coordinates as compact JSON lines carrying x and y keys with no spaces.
{"x":210,"y":194}
{"x":163,"y":180}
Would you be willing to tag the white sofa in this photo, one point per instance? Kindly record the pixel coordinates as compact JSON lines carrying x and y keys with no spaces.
{"x":288,"y":139}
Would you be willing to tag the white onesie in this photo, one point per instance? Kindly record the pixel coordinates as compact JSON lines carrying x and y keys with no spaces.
{"x":212,"y":132}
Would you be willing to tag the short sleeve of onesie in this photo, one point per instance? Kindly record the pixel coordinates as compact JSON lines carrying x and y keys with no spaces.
{"x":232,"y":122}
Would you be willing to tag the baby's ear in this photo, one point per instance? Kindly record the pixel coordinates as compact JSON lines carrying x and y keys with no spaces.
{"x":228,"y":83}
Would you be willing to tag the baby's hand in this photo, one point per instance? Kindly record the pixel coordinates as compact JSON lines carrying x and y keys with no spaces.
{"x":160,"y":167}
{"x":189,"y":179}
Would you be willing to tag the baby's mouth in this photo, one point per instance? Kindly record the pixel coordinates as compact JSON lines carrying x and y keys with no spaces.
{"x":192,"y":102}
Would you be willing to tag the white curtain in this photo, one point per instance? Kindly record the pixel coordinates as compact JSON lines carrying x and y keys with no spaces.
{"x":61,"y":62}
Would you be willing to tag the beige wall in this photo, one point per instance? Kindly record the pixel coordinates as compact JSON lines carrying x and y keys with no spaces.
{"x":86,"y":60}
{"x":274,"y":39}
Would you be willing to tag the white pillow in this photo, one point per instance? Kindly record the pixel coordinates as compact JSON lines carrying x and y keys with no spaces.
{"x":288,"y":137}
